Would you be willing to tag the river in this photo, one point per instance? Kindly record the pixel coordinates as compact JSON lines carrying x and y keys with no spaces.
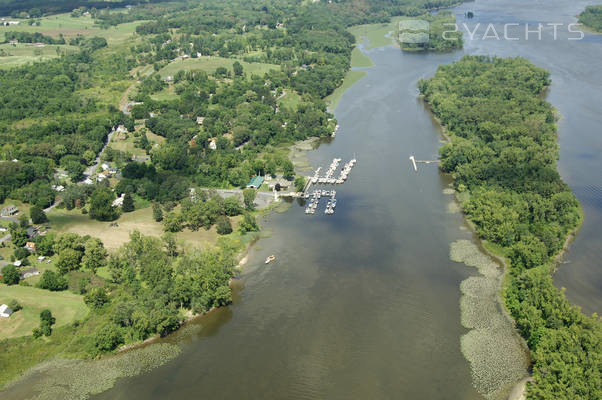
{"x":364,"y":304}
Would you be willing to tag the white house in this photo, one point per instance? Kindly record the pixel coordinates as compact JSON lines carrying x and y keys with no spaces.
{"x":118,"y":202}
{"x":5,"y":312}
{"x":101,"y":177}
{"x":29,"y":273}
{"x":212,"y":144}
{"x":104,"y":166}
{"x":88,"y":181}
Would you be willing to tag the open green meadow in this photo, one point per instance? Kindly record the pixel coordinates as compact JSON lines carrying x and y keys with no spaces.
{"x":290,"y":99}
{"x":65,"y":306}
{"x":114,"y":236}
{"x":23,"y":53}
{"x":68,"y":26}
{"x":210,"y":63}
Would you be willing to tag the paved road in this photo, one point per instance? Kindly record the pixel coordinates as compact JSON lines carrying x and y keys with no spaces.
{"x":56,"y":203}
{"x":12,"y":219}
{"x":92,"y":168}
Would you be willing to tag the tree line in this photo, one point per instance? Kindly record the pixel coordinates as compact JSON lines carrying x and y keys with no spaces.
{"x":502,"y":152}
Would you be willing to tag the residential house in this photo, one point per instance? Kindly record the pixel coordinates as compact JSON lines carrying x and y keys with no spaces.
{"x":32,"y":232}
{"x":118,"y":202}
{"x":18,"y":263}
{"x":9,"y":210}
{"x":29,"y":272}
{"x":5,"y":311}
{"x":199,"y":120}
{"x":104,"y":166}
{"x":31,"y":246}
{"x":88,"y":181}
{"x":212,"y":144}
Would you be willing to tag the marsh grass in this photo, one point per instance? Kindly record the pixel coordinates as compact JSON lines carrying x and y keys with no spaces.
{"x":78,"y":379}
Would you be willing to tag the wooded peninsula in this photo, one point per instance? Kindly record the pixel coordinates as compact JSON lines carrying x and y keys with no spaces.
{"x":502,"y":153}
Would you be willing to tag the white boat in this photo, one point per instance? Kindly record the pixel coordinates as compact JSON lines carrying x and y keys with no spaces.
{"x":270,"y":259}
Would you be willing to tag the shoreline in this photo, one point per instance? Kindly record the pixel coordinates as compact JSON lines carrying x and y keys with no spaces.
{"x":520,"y":389}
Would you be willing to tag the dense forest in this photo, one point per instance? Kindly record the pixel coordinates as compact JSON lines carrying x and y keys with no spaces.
{"x":592,"y":17}
{"x":502,"y":152}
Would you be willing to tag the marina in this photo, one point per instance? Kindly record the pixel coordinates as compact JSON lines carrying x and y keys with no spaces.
{"x":327,"y":178}
{"x":315,"y":201}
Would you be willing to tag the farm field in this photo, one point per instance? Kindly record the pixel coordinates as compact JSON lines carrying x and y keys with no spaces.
{"x":54,"y":25}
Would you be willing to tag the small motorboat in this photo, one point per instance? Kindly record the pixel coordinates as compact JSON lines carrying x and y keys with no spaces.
{"x":270,"y":259}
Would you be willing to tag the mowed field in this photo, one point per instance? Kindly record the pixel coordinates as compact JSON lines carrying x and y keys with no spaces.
{"x":53,"y":26}
{"x":19,"y":54}
{"x":65,"y":307}
{"x":141,"y":220}
{"x":210,"y":63}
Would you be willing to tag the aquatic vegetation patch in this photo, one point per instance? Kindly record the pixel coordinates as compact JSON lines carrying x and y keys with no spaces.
{"x":493,"y":349}
{"x":453,"y":207}
{"x":78,"y":379}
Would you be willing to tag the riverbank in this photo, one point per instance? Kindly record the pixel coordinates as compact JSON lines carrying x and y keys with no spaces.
{"x":493,"y":201}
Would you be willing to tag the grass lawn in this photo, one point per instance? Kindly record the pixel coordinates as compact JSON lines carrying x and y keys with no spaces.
{"x":53,"y":25}
{"x":210,"y":63}
{"x":166,"y":94}
{"x":19,"y":54}
{"x":290,"y":99}
{"x":127,"y":145}
{"x":65,"y":307}
{"x":114,"y":237}
{"x":350,"y":79}
{"x":359,"y":59}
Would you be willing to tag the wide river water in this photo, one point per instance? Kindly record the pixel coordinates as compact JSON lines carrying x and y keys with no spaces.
{"x":364,"y":304}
